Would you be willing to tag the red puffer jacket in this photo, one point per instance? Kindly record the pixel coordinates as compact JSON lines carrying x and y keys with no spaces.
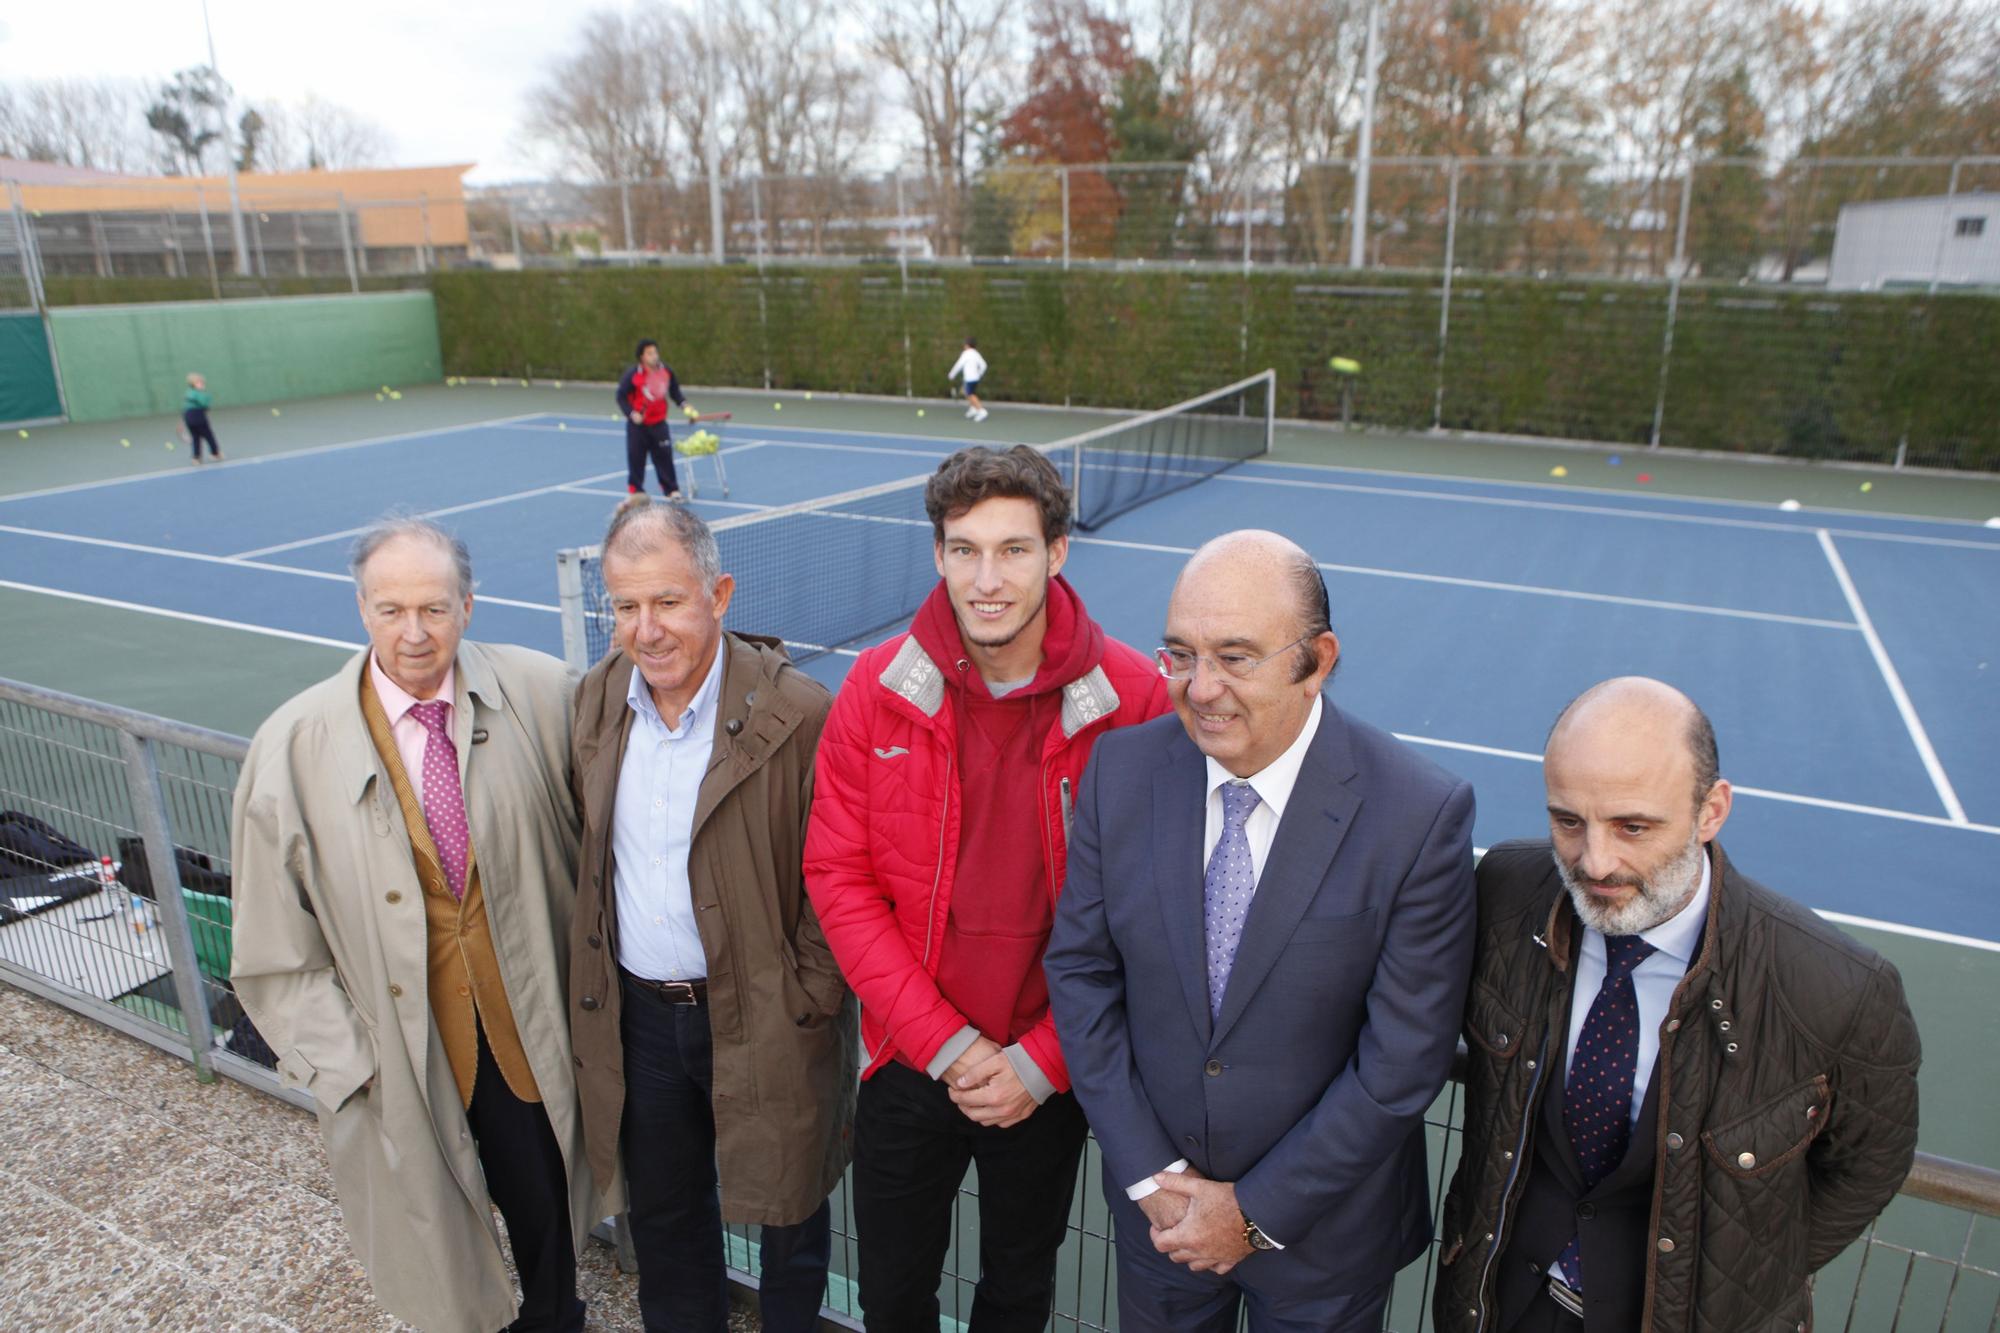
{"x":882,"y":846}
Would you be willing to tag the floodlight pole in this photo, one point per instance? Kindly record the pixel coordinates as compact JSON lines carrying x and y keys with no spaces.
{"x":1357,"y":251}
{"x":238,"y":242}
{"x":711,"y":138}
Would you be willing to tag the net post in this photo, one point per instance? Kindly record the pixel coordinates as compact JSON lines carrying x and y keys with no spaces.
{"x":569,"y":590}
{"x":1270,"y":378}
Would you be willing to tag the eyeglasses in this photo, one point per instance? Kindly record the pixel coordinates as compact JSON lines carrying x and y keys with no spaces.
{"x":1180,"y":664}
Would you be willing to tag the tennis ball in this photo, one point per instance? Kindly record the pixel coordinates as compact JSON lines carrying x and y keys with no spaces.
{"x":168,"y":446}
{"x":559,"y":384}
{"x":385,"y":388}
{"x":920,"y":411}
{"x":24,"y":435}
{"x":378,"y":397}
{"x":777,"y":407}
{"x":562,"y":425}
{"x":1343,"y":365}
{"x":1867,"y":485}
{"x":809,"y":395}
{"x":124,"y":444}
{"x":276,"y":413}
{"x":1558,"y":471}
{"x":524,"y":384}
{"x":1790,"y":506}
{"x":396,"y":394}
{"x":496,"y":384}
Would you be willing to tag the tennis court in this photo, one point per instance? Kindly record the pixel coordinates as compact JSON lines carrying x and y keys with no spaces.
{"x":1849,"y":660}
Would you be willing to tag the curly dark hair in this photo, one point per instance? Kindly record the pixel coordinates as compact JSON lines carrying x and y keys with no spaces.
{"x":977,"y":473}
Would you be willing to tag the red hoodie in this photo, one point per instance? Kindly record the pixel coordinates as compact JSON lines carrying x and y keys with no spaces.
{"x":1003,"y":902}
{"x":898,"y":832}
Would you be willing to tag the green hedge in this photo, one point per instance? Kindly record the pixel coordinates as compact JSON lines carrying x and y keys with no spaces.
{"x":1845,"y":375}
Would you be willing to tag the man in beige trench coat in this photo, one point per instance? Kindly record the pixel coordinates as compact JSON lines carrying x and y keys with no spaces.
{"x":713,"y":1029}
{"x":405,"y":857}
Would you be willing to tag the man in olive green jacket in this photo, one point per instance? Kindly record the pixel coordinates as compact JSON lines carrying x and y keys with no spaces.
{"x":712,"y":1027}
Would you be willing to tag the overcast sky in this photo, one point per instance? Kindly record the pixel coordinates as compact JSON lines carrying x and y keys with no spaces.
{"x":445,"y":79}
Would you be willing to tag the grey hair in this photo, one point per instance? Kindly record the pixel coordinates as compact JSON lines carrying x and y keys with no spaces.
{"x":640,"y":524}
{"x":396,"y":524}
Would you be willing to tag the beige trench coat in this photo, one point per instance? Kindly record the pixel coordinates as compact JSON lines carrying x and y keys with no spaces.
{"x":330,"y":962}
{"x":783,"y":1021}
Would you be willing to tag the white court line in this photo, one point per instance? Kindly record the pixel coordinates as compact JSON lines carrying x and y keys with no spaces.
{"x":429,"y":513}
{"x":693,"y":499}
{"x":1527,"y":589}
{"x":1915,"y":932}
{"x":189,"y":616}
{"x":269,"y":458}
{"x":1763,"y":793}
{"x":1610,"y":511}
{"x":759,"y":442}
{"x":1911,"y":721}
{"x":167,"y":552}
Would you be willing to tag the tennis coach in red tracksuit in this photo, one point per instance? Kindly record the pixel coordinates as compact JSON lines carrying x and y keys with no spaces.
{"x":937,"y":845}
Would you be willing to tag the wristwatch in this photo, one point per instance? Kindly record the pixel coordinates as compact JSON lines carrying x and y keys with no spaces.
{"x":1255,"y":1238}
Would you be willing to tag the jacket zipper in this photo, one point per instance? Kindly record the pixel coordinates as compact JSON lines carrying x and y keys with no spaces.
{"x":1513,"y":1174}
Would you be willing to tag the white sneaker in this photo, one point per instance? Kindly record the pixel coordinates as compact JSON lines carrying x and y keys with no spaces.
{"x":971,"y":414}
{"x":983,"y":414}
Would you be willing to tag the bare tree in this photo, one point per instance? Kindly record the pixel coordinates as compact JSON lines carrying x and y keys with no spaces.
{"x":310,"y":134}
{"x":943,"y":54}
{"x":94,"y":123}
{"x":606,"y":107}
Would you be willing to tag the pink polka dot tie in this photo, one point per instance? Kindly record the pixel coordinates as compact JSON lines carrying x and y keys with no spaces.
{"x":444,"y":799}
{"x":1597,"y":1102}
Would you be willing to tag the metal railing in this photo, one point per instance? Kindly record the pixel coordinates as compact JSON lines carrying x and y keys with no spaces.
{"x":134,"y":944}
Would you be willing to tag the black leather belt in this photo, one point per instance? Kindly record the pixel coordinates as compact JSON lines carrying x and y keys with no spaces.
{"x":671,"y":992}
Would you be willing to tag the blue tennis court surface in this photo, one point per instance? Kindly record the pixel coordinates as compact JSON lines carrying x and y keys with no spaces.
{"x":1851,"y":662}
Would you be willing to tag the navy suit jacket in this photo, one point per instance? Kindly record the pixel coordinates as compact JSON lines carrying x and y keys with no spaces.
{"x":1343,"y":1007}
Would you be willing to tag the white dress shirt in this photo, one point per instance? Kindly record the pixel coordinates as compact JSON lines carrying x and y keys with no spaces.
{"x":1273,"y":784}
{"x":652,"y":828}
{"x":1674,"y":941}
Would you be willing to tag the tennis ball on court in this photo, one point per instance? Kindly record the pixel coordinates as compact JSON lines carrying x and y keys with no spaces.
{"x":276,"y":413}
{"x":1558,"y":471}
{"x":809,"y":395}
{"x":24,"y":435}
{"x":396,"y":394}
{"x":385,"y":388}
{"x":496,"y":384}
{"x":1867,"y":485}
{"x":920,"y":411}
{"x":124,"y":444}
{"x":378,"y":397}
{"x":562,"y":425}
{"x":1790,"y":506}
{"x":777,"y":407}
{"x":168,"y":446}
{"x":524,"y":384}
{"x":559,"y":384}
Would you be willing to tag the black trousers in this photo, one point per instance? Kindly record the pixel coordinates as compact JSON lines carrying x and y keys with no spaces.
{"x":526,"y":1180}
{"x":911,"y":1148}
{"x":649,"y":441}
{"x":196,"y":421}
{"x":668,"y":1142}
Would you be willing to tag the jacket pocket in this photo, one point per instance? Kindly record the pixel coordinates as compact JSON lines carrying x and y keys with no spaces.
{"x":1769,"y":1138}
{"x":1492,"y":1026}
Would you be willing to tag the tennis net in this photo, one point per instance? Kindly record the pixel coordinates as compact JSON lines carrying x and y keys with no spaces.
{"x":830,"y":572}
{"x":1117,"y":468}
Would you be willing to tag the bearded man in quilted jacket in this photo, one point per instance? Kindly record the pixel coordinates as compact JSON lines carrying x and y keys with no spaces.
{"x":1686,"y":1093}
{"x":946,"y":779}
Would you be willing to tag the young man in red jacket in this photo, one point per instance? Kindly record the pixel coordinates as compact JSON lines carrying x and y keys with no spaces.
{"x":940,"y":827}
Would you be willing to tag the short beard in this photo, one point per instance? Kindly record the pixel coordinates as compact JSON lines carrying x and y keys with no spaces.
{"x":965,"y":630}
{"x":1658,"y":899}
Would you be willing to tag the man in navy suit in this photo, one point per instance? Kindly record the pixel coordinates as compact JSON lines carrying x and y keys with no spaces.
{"x":1258,"y":967}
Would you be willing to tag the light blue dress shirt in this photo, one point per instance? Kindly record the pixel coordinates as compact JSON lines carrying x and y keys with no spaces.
{"x":1675,"y":941}
{"x":652,"y":828}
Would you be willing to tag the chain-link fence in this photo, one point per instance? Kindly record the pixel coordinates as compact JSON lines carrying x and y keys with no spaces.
{"x":115,"y":902}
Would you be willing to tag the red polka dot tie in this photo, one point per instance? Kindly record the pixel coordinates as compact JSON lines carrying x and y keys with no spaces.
{"x":1597,"y":1102}
{"x":444,"y":799}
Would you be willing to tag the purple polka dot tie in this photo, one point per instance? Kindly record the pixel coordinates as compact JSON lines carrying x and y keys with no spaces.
{"x":1227,"y":889}
{"x":444,"y":800}
{"x":1597,"y":1103}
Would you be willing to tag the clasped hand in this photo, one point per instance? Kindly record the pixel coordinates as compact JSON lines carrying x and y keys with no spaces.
{"x":983,"y":1084}
{"x":1195,"y":1221}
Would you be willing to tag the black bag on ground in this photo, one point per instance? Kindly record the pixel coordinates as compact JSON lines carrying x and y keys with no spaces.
{"x":197,"y":872}
{"x":30,"y":847}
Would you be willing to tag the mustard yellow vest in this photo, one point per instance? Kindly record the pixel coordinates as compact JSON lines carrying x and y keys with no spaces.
{"x":465,"y":988}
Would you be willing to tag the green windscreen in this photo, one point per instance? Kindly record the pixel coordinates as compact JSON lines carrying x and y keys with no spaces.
{"x":134,"y":360}
{"x":28,"y":389}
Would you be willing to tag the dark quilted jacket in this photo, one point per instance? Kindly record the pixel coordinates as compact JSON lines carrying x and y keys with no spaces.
{"x":1788,"y":1100}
